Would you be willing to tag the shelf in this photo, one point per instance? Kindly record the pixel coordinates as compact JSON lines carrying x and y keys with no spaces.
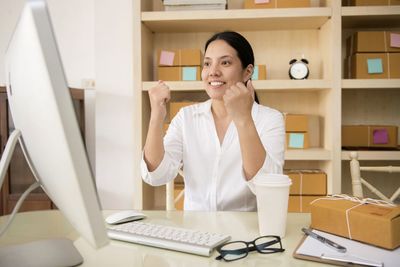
{"x":371,"y":16}
{"x":373,"y":155}
{"x":371,"y":83}
{"x":237,"y":19}
{"x":261,"y":85}
{"x":308,"y":154}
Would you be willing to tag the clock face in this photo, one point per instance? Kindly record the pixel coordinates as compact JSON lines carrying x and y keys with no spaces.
{"x":298,"y":70}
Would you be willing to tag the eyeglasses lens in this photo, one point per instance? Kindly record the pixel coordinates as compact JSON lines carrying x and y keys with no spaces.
{"x":234,"y":251}
{"x":268,"y":244}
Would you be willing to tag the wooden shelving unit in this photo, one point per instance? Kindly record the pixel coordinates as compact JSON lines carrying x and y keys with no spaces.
{"x":277,"y":35}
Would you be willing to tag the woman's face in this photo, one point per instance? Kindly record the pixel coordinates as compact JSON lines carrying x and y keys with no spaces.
{"x":222,"y":69}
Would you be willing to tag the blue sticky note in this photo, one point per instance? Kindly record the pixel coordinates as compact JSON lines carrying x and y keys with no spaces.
{"x":189,"y":73}
{"x":255,"y":73}
{"x":296,"y":140}
{"x":374,"y":65}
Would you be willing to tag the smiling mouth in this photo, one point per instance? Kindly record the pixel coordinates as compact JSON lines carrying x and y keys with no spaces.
{"x":216,"y":83}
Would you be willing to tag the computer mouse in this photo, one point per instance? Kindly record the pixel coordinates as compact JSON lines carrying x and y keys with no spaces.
{"x":124,"y":216}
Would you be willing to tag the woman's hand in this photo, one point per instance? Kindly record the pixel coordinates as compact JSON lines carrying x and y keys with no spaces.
{"x":159,"y":96}
{"x":238,"y":102}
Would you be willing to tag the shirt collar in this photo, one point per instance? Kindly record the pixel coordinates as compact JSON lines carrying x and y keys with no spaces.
{"x":205,"y":108}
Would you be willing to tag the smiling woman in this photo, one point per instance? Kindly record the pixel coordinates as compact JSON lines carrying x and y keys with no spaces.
{"x":222,"y":143}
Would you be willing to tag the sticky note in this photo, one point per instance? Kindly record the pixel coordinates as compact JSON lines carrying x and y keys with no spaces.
{"x":261,"y":1}
{"x":374,"y":65}
{"x":380,"y":136}
{"x":296,"y":140}
{"x":255,"y":73}
{"x":189,"y":73}
{"x":167,"y":58}
{"x":394,"y":40}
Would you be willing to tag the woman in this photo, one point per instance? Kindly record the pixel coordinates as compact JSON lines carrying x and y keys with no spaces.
{"x":224,"y":142}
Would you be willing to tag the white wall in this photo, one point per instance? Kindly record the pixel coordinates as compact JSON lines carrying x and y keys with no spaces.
{"x":95,"y":41}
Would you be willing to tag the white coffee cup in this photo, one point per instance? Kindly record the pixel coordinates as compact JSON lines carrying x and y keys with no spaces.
{"x":272,"y":192}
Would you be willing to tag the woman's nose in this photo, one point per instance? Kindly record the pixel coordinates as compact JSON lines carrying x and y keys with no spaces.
{"x":214,"y":70}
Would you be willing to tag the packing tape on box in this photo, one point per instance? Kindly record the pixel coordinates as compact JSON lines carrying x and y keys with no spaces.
{"x":377,"y":202}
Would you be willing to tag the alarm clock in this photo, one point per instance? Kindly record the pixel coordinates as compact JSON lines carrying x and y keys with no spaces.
{"x":298,"y":69}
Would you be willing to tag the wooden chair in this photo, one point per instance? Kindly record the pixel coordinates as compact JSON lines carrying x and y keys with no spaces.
{"x":171,"y":200}
{"x":358,"y":181}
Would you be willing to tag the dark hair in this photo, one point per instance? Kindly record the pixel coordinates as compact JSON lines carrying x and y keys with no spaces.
{"x":240,"y":44}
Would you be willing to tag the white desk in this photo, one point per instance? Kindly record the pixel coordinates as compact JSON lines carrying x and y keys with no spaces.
{"x":30,"y":226}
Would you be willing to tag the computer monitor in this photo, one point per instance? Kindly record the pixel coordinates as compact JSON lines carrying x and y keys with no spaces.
{"x":43,"y":113}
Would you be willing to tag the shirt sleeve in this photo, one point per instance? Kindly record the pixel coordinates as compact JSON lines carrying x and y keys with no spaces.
{"x":172,"y":160}
{"x":273,"y":140}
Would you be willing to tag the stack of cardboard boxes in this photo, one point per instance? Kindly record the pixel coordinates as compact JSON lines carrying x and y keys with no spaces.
{"x":373,"y":55}
{"x":179,"y":64}
{"x":302,"y":131}
{"x":307,"y":185}
{"x":259,"y":73}
{"x":250,"y":4}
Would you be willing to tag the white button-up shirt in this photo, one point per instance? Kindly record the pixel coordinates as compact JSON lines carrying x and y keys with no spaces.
{"x":213,"y":172}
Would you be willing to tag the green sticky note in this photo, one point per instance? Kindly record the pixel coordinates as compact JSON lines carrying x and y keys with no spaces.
{"x":189,"y":74}
{"x":255,"y":74}
{"x":374,"y":65}
{"x":296,"y":140}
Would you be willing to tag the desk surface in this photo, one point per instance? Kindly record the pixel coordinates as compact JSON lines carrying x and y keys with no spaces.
{"x":30,"y":226}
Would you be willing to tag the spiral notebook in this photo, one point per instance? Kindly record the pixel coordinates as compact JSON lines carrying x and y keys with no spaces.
{"x":312,"y":249}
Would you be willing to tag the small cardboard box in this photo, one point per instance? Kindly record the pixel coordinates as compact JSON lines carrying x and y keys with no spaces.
{"x":307,"y":182}
{"x":379,"y":136}
{"x":369,"y":223}
{"x":175,"y":73}
{"x":293,"y":3}
{"x":169,"y":73}
{"x":297,"y":140}
{"x":301,"y":203}
{"x":251,"y":4}
{"x":179,"y":57}
{"x":369,"y":66}
{"x":174,"y":107}
{"x":373,"y":42}
{"x":394,"y":65}
{"x":259,"y":73}
{"x":301,"y":123}
{"x":366,"y":42}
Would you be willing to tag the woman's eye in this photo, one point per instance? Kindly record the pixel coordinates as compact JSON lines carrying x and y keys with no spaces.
{"x":225,"y":62}
{"x":206,"y":64}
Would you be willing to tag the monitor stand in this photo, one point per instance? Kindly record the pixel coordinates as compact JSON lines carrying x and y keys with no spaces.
{"x":43,"y":253}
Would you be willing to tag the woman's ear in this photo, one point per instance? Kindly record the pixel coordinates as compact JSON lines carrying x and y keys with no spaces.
{"x":248,"y":72}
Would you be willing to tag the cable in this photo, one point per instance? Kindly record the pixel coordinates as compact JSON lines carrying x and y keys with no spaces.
{"x":18,"y":205}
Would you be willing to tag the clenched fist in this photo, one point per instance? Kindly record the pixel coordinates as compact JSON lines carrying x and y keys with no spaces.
{"x":159,"y":96}
{"x":239,"y":100}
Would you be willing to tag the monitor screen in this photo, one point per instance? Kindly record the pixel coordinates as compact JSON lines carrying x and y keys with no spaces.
{"x":42,"y":110}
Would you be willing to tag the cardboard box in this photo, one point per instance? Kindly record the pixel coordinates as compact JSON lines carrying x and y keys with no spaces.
{"x":174,"y":107}
{"x":301,"y":203}
{"x":369,"y":223}
{"x":259,"y":73}
{"x":307,"y":182}
{"x":251,"y":4}
{"x":379,"y":136}
{"x":175,"y":73}
{"x":297,"y":140}
{"x":394,"y":65}
{"x":369,"y":66}
{"x":293,"y":3}
{"x":179,"y":57}
{"x":373,"y":42}
{"x":368,"y":2}
{"x":301,"y":123}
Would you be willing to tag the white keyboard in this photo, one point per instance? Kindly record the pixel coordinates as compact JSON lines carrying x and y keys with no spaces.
{"x":166,"y":237}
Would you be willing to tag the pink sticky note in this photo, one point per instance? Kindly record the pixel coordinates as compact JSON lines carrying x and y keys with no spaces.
{"x":394,"y":40}
{"x":167,"y":58}
{"x":380,"y":136}
{"x":261,"y":1}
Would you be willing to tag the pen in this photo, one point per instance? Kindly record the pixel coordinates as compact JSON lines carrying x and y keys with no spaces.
{"x":324,"y":240}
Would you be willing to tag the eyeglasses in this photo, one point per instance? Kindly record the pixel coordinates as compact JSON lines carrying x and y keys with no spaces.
{"x":236,"y":250}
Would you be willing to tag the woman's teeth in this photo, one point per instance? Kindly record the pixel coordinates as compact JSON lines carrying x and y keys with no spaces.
{"x":216,"y":83}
